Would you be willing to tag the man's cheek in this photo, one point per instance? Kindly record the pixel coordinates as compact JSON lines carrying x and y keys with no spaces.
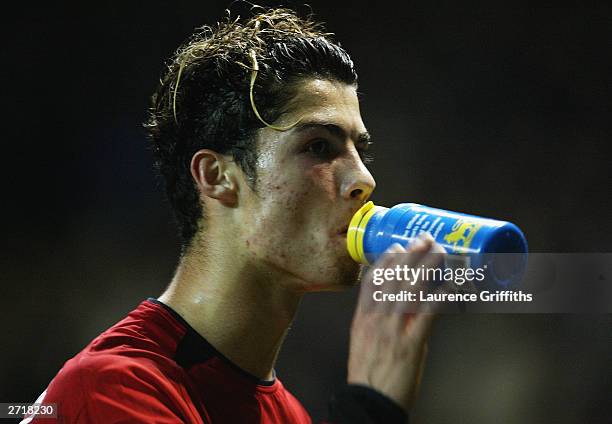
{"x":272,"y":241}
{"x":323,"y":179}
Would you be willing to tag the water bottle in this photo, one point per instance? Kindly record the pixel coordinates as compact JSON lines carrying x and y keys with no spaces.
{"x":472,"y":241}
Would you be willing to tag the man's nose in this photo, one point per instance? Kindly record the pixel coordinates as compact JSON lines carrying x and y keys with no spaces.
{"x":358,"y":183}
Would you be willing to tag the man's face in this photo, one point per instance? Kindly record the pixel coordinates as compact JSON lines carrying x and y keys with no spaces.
{"x":310,"y":181}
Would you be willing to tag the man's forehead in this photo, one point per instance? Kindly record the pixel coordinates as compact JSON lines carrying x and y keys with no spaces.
{"x":324,"y":102}
{"x":316,"y":93}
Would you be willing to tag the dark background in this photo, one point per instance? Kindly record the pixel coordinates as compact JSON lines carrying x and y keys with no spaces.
{"x":495,"y":108}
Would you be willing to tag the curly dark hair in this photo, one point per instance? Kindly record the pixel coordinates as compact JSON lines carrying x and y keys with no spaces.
{"x":203,"y":100}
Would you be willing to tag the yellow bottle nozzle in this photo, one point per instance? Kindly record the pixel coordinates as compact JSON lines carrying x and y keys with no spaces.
{"x":356,"y":231}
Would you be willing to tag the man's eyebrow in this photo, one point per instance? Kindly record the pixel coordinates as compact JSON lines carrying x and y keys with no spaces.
{"x":336,"y":130}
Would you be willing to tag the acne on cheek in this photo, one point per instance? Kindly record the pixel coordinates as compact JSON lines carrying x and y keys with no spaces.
{"x":296,"y":257}
{"x":270,"y":236}
{"x":322,"y":176}
{"x":274,"y":183}
{"x":279,"y":195}
{"x":281,"y":255}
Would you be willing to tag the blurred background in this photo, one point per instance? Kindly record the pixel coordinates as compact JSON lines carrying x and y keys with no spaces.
{"x":497,"y":108}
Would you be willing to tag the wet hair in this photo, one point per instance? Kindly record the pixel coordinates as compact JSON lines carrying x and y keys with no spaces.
{"x":224,"y":84}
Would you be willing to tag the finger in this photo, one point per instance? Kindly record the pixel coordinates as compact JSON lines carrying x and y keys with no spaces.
{"x":420,"y":326}
{"x":367,"y":283}
{"x":435,"y":255}
{"x":421,"y":323}
{"x":431,"y":259}
{"x":418,"y":249}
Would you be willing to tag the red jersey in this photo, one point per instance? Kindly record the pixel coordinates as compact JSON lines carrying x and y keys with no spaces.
{"x":153,"y":367}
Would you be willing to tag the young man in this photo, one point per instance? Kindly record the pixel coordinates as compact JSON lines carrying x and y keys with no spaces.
{"x":257,"y":132}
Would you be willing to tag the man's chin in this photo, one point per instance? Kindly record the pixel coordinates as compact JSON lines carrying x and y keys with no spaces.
{"x":335,"y":275}
{"x":345,"y":277}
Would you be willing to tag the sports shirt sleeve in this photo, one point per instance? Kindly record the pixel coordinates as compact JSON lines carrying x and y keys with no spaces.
{"x":358,"y":404}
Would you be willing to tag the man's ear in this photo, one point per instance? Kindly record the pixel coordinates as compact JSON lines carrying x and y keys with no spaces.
{"x":214,"y":176}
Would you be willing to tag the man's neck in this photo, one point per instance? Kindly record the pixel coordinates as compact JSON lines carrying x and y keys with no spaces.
{"x":244,"y":313}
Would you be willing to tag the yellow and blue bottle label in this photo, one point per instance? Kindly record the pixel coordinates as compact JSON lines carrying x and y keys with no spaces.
{"x":373,"y":229}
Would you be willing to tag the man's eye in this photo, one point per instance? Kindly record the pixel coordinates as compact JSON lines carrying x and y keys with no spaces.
{"x":320,"y":148}
{"x":366,"y":156}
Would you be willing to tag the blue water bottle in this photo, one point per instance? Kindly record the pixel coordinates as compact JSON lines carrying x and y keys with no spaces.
{"x":498,"y":246}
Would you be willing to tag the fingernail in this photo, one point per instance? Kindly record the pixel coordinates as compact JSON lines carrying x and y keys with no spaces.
{"x":418,"y":243}
{"x":426,"y":235}
{"x":396,"y":248}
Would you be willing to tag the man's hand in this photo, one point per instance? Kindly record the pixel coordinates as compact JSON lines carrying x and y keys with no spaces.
{"x":388,"y":347}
